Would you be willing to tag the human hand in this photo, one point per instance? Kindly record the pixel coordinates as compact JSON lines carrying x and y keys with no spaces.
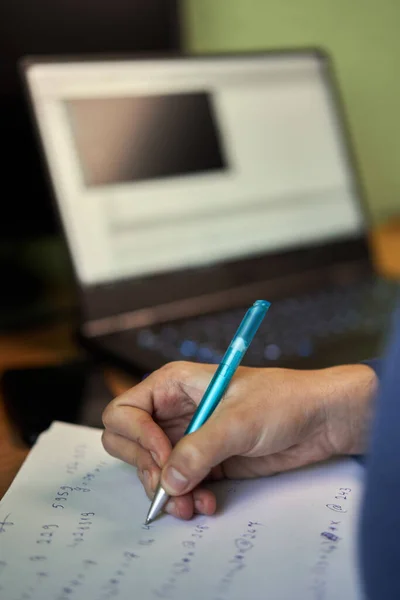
{"x":270,"y":420}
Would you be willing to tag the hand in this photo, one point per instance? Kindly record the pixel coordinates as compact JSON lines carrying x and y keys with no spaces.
{"x":269,"y":421}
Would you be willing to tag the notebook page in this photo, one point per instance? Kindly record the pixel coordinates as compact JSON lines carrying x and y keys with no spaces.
{"x":71,"y":527}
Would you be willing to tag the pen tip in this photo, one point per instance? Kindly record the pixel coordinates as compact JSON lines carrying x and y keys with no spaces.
{"x":148,"y":521}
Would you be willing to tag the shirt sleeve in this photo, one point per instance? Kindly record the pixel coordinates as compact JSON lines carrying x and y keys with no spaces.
{"x":375,"y":364}
{"x":380,"y":515}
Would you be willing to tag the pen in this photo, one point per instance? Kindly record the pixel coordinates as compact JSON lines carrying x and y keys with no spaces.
{"x":218,"y":384}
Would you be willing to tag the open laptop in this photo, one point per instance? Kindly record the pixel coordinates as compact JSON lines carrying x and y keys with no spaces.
{"x":188,"y":187}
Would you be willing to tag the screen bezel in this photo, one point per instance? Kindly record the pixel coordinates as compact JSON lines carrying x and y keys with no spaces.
{"x":149,"y":297}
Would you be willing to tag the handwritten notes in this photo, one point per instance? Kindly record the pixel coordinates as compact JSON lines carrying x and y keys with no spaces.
{"x":71,"y":528}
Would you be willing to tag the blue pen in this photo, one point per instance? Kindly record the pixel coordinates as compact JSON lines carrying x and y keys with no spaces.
{"x":217,"y":387}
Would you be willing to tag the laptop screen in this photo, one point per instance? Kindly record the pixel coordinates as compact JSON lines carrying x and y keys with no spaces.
{"x":117,"y":139}
{"x":161,"y":165}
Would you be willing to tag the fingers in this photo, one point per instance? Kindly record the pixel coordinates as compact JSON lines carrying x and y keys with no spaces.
{"x":201,"y":501}
{"x":131,"y":453}
{"x":205,"y":502}
{"x":163,"y":394}
{"x":136,"y":425}
{"x":133,"y":436}
{"x":196,"y":454}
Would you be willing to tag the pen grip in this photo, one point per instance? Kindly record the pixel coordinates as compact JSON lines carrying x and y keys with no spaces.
{"x":212,"y":396}
{"x":230,"y":362}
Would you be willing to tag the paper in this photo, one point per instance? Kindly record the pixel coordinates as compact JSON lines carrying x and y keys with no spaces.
{"x":71,"y":527}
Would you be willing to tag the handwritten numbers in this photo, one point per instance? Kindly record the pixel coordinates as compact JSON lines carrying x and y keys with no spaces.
{"x":234,"y":486}
{"x":112,"y":587}
{"x":336,"y":508}
{"x":130,"y":555}
{"x":182,"y":566}
{"x":342,"y":495}
{"x":147,"y":542}
{"x":64,"y":493}
{"x":242,"y":545}
{"x":79,"y":455}
{"x":329,"y":543}
{"x":68,"y":591}
{"x":62,"y":496}
{"x":82,"y":529}
{"x":330,"y":536}
{"x":46,"y":536}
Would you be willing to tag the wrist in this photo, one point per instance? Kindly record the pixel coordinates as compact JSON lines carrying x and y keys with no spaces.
{"x":348,"y":400}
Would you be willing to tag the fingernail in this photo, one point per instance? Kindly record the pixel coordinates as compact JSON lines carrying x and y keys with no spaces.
{"x":156,"y":459}
{"x":174,"y":481}
{"x":198,"y":505}
{"x":170,"y":507}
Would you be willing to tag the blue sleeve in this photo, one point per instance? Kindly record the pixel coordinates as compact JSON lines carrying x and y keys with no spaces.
{"x":375,"y":364}
{"x":379,"y":547}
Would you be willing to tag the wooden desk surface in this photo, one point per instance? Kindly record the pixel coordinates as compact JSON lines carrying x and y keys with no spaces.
{"x":49,"y":345}
{"x":54,"y":344}
{"x":29,"y":348}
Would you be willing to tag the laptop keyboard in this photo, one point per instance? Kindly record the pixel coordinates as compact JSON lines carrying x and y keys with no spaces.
{"x":293,"y":328}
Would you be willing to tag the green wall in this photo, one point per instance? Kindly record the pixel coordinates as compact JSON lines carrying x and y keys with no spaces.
{"x":362,"y":36}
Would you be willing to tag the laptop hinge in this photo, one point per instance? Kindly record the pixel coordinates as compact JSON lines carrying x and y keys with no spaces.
{"x":223,"y":300}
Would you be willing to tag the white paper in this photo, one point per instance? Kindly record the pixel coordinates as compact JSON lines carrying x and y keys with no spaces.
{"x":292,"y":536}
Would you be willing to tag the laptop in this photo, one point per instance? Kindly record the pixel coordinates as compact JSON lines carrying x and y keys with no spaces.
{"x":188,"y":187}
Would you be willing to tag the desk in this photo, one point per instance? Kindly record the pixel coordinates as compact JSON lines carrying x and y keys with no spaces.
{"x":55,"y":344}
{"x":33,"y":348}
{"x":51,"y":345}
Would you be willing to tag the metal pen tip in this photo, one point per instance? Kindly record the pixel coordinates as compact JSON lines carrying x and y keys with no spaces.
{"x":159,"y":501}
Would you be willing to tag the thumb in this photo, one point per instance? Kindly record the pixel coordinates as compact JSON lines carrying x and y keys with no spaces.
{"x":197,"y":453}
